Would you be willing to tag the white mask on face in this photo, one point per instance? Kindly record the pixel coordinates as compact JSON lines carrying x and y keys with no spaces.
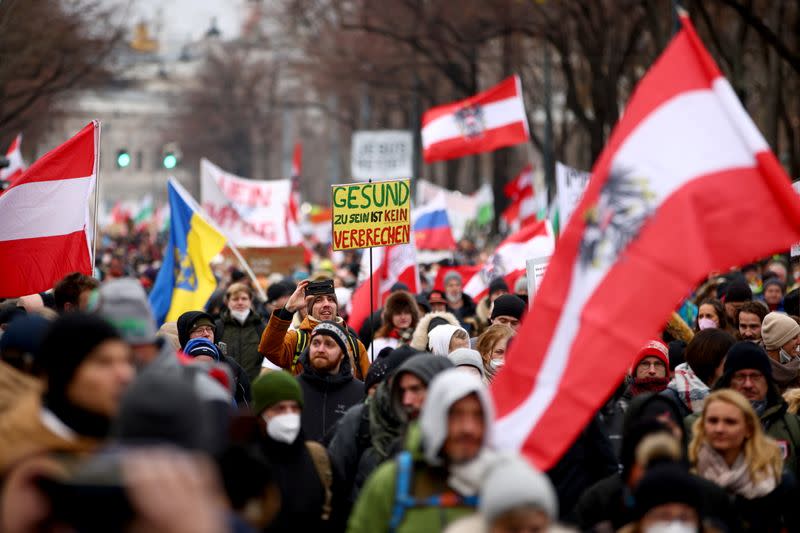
{"x":240,"y":316}
{"x":498,"y":363}
{"x":283,"y":428}
{"x":675,"y":526}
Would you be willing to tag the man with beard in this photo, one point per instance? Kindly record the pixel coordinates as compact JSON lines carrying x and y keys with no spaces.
{"x":329,"y":387}
{"x":749,"y":317}
{"x":460,"y":304}
{"x":409,"y":386}
{"x":649,"y":373}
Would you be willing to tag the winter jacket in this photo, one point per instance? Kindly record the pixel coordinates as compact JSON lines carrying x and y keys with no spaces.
{"x":612,"y":416}
{"x":241,"y":386}
{"x":419,"y":340}
{"x":278,"y":344}
{"x":373,"y":510}
{"x":327,"y":397}
{"x":587,"y":461}
{"x":610,"y":501}
{"x":773,"y":513}
{"x":787,"y":376}
{"x":241,"y":340}
{"x":302,"y":491}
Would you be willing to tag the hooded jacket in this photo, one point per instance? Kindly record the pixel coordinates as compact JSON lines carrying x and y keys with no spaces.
{"x":419,"y":341}
{"x":185,"y":322}
{"x":327,"y":397}
{"x":373,"y":510}
{"x":278,"y":343}
{"x":242,"y":340}
{"x":424,"y":366}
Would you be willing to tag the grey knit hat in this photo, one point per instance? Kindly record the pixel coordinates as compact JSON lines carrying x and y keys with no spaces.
{"x":778,"y":329}
{"x":467,"y":357}
{"x":123,"y":303}
{"x":513,"y":483}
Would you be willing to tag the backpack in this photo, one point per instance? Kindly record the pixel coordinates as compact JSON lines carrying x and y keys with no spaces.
{"x":322,"y":464}
{"x":403,"y":499}
{"x":355,"y":353}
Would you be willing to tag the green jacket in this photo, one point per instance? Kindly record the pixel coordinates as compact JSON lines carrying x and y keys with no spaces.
{"x":777,"y":423}
{"x":373,"y":509}
{"x":242,"y":340}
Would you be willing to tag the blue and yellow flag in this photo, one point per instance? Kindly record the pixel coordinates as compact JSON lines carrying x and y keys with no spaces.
{"x":185,"y":281}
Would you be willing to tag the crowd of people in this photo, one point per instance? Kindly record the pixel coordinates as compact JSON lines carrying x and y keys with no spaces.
{"x":276,"y":415}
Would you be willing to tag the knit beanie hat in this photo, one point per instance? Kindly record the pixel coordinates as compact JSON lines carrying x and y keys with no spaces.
{"x":65,"y":346}
{"x":778,"y":329}
{"x":24,"y":335}
{"x":124,"y":304}
{"x":747,"y":355}
{"x":334,"y":331}
{"x":508,"y":305}
{"x":513,"y":483}
{"x":667,"y":483}
{"x":452,"y":275}
{"x":201,"y":346}
{"x":467,"y":357}
{"x":497,"y":285}
{"x":273,"y":387}
{"x":653,"y":349}
{"x":738,"y":291}
{"x":385,"y":365}
{"x":776,"y":282}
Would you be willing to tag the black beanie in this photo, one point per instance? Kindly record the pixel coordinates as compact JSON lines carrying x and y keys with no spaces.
{"x":334,"y":331}
{"x":65,"y":346}
{"x":386,"y":363}
{"x":667,"y":483}
{"x":497,"y":284}
{"x":747,"y":355}
{"x":437,"y":321}
{"x":738,"y":291}
{"x":508,"y":305}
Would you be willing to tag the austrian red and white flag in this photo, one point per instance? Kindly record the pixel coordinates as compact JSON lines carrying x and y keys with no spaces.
{"x":524,"y":201}
{"x":532,"y":241}
{"x":16,"y":164}
{"x":665,"y":204}
{"x":390,"y":264}
{"x":487,"y":121}
{"x":45,"y":232}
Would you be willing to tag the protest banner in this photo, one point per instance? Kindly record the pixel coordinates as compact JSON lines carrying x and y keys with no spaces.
{"x":382,"y":154}
{"x":368,"y":215}
{"x":252,"y":213}
{"x":265,"y":261}
{"x":570,"y":184}
{"x":535,"y":269}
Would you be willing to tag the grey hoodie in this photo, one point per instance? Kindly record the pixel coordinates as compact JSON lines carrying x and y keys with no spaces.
{"x":424,"y":366}
{"x":446,"y":389}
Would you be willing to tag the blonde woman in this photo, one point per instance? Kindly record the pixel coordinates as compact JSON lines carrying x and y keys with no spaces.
{"x":730,"y":448}
{"x":493,"y":345}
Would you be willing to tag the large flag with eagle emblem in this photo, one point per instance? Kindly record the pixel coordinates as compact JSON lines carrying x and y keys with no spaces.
{"x":185,"y":281}
{"x":487,"y":121}
{"x":665,"y":204}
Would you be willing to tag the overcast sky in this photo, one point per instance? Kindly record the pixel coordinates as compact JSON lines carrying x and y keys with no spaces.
{"x":188,"y":20}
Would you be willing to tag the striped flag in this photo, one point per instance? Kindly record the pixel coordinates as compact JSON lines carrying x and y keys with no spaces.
{"x":45,"y":232}
{"x":487,"y":121}
{"x":16,"y":164}
{"x":432,"y":226}
{"x":665,"y":204}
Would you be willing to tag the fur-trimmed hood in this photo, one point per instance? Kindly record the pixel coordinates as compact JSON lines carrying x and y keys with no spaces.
{"x":679,"y":329}
{"x":419,"y":341}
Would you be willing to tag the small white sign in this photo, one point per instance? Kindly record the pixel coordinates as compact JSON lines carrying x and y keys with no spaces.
{"x":382,"y":154}
{"x":535,"y":269}
{"x":570,"y":184}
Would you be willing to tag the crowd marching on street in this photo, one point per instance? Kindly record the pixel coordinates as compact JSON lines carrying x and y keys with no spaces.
{"x":648,"y":381}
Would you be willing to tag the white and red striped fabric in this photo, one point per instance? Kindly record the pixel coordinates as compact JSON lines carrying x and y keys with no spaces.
{"x":523,"y":207}
{"x":44,"y":217}
{"x":389,"y":265}
{"x":487,"y":121}
{"x":532,"y":241}
{"x":685,"y":186}
{"x":16,"y":164}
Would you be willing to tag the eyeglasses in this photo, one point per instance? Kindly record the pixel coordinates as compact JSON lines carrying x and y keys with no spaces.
{"x":203,"y":329}
{"x":740,"y":379}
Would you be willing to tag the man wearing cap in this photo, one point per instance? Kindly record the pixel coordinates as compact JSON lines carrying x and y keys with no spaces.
{"x":781,"y":336}
{"x":748,"y":371}
{"x":436,"y":478}
{"x":278,"y":404}
{"x":437,"y":302}
{"x":329,"y":387}
{"x":283,"y":347}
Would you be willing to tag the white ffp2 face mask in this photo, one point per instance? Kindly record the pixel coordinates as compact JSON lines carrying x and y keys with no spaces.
{"x":284,"y":428}
{"x":676,"y":526}
{"x":240,"y":316}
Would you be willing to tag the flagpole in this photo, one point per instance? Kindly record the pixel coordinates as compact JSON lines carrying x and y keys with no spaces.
{"x":96,"y":191}
{"x":371,"y":307}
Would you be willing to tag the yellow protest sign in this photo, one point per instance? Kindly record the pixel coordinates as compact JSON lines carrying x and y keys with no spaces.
{"x":367,"y":215}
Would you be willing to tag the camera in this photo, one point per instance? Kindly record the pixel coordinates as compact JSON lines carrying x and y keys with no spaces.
{"x":316,"y":288}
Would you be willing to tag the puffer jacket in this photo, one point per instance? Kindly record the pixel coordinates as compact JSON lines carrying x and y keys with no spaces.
{"x":241,"y":340}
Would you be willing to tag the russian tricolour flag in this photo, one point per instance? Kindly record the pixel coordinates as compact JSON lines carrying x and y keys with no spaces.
{"x":663,"y":208}
{"x":487,"y":121}
{"x":432,"y":229}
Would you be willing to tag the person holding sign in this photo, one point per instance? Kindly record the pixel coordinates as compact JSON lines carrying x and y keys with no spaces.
{"x":283,"y":347}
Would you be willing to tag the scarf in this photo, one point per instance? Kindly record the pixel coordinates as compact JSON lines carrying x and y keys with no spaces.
{"x":785,"y":375}
{"x":402,"y":335}
{"x":736,"y":478}
{"x":689,"y":388}
{"x":645,"y":385}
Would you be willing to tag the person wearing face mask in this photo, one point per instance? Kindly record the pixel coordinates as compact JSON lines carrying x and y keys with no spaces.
{"x":240,"y":328}
{"x":711,"y":314}
{"x":301,"y":469}
{"x":493,"y":344}
{"x":781,"y":336}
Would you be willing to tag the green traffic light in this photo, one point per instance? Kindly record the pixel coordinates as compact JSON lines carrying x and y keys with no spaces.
{"x":170,"y":161}
{"x":123,"y":159}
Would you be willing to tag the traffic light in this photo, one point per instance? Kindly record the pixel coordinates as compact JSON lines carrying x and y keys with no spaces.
{"x":123,"y":158}
{"x":170,"y":156}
